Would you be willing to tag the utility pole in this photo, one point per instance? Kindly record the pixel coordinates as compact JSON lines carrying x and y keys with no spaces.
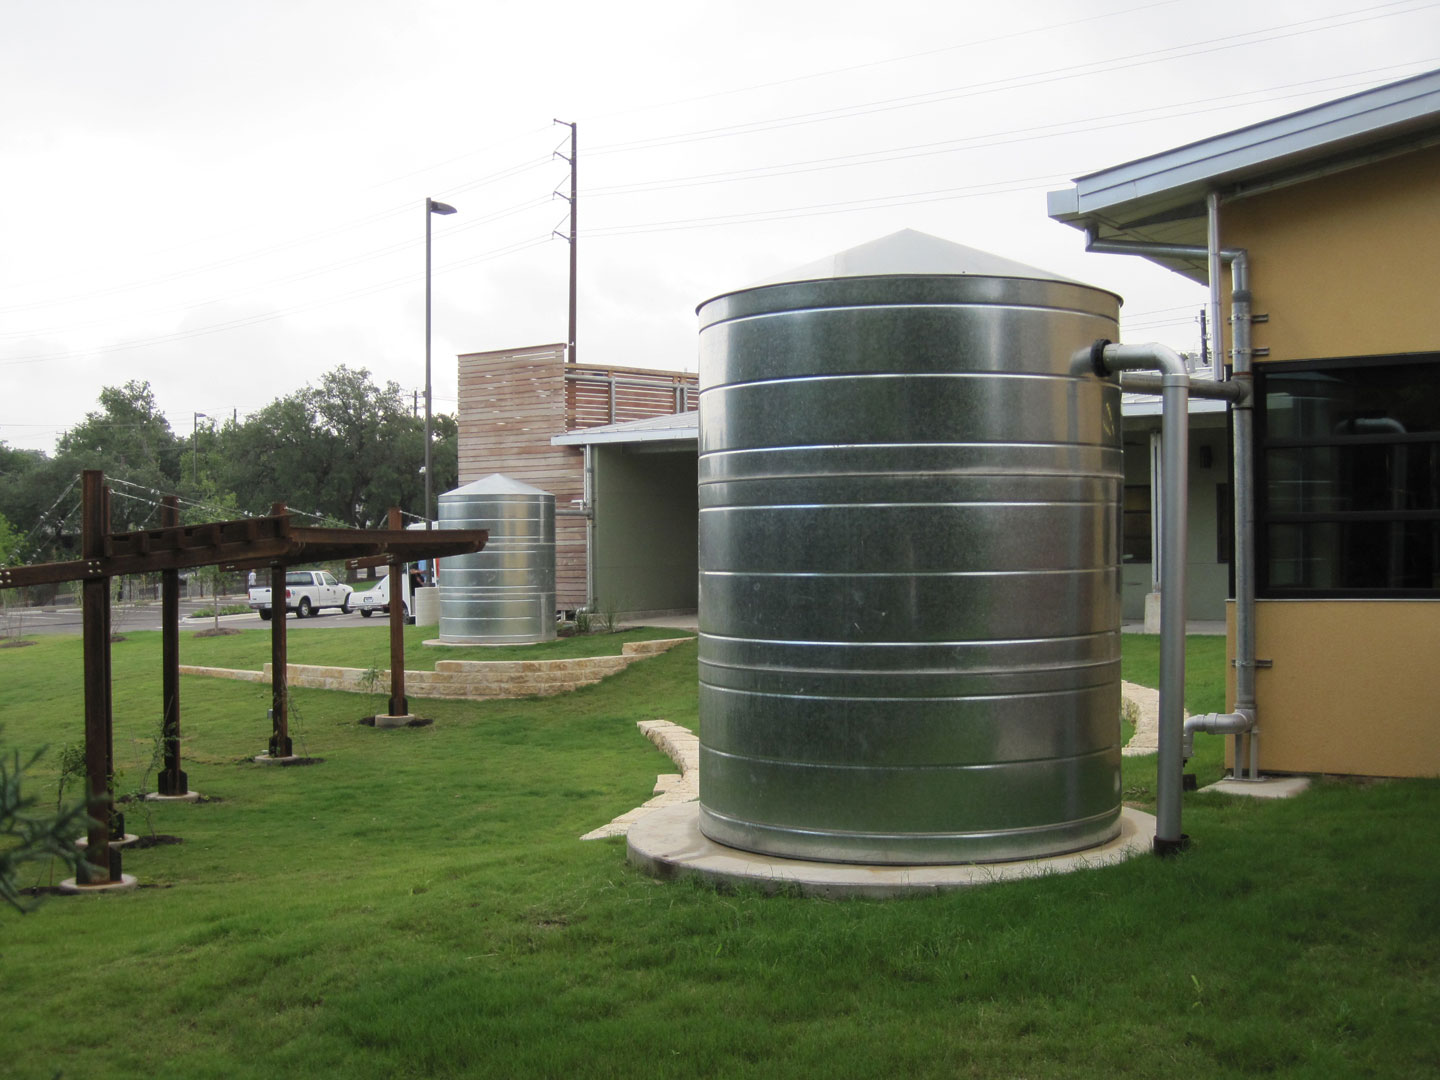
{"x":1204,"y":341}
{"x":573,"y":159}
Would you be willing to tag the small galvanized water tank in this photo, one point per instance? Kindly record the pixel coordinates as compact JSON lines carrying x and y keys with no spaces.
{"x":504,"y":595}
{"x":909,"y":561}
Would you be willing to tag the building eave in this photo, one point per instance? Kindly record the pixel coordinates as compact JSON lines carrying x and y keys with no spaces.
{"x":1161,"y":198}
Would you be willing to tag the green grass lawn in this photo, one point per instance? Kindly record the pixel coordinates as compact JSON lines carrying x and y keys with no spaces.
{"x":418,"y":905}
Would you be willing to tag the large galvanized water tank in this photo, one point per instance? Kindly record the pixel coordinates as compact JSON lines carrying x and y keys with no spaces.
{"x":909,"y":561}
{"x":504,"y":595}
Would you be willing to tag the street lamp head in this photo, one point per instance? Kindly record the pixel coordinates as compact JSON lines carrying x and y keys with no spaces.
{"x":438,"y":207}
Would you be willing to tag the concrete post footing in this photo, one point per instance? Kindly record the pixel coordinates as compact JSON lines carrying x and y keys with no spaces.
{"x":266,"y":759}
{"x":1267,"y":787}
{"x":385,"y":721}
{"x":73,"y":888}
{"x":125,"y":841}
{"x":189,"y":796}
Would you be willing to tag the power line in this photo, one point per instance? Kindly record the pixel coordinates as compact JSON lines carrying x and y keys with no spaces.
{"x":1003,"y":187}
{"x":272,"y":249}
{"x":303,"y":275}
{"x":1040,"y":78}
{"x":830,"y":72}
{"x":234,"y":324}
{"x":975,"y":142}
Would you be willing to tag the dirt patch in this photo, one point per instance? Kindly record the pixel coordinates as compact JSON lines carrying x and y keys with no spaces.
{"x":15,"y":644}
{"x":224,"y":631}
{"x":160,"y":840}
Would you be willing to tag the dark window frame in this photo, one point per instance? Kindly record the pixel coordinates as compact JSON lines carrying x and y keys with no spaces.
{"x":1264,"y":517}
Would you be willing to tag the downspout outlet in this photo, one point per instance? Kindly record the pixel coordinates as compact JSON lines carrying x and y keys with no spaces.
{"x":1236,"y":723}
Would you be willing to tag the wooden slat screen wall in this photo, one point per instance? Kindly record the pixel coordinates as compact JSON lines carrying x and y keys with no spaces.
{"x":590,"y":394}
{"x":513,"y":401}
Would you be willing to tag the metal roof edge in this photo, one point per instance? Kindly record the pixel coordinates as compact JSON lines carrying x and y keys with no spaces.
{"x":1353,"y":123}
{"x":598,"y":437}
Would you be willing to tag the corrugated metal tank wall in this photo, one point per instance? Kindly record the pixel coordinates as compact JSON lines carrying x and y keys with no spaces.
{"x":909,"y":562}
{"x":505,"y":594}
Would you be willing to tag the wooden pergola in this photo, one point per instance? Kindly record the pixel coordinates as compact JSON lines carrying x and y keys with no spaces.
{"x":271,"y":541}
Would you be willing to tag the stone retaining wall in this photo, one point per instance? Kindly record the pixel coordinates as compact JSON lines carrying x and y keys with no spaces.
{"x":464,"y":679}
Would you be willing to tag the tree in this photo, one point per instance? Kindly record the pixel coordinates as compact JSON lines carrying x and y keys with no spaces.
{"x":344,"y":448}
{"x":130,"y":439}
{"x":9,"y":542}
{"x":216,"y":505}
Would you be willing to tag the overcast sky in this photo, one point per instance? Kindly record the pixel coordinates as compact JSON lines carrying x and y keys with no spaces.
{"x":227,"y":199}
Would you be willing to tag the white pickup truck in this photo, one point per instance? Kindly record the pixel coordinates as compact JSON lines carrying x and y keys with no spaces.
{"x":306,"y":592}
{"x":378,"y":599}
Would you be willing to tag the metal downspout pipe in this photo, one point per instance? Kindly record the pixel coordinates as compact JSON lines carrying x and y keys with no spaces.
{"x":1240,"y":722}
{"x":1243,"y":720}
{"x":1106,"y":359}
{"x":589,"y":492}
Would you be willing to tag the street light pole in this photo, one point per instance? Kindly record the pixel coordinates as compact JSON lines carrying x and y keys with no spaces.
{"x":431,"y":207}
{"x":195,"y":447}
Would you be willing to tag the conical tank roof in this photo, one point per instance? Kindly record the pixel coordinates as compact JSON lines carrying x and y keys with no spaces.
{"x":496,"y":484}
{"x":908,"y":253}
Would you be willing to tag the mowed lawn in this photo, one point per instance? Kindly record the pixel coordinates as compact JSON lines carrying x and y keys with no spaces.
{"x":418,"y":904}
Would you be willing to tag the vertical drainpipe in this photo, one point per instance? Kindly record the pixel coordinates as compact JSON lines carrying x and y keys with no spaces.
{"x":589,"y":493}
{"x":1241,"y":396}
{"x":1213,"y":259}
{"x":1107,"y":359}
{"x":1243,"y":419}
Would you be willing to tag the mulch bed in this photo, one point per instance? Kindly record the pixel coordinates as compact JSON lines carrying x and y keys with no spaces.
{"x":15,"y":644}
{"x":416,"y":721}
{"x":160,"y":840}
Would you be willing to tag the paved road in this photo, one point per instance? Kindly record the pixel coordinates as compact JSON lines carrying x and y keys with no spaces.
{"x":66,"y":619}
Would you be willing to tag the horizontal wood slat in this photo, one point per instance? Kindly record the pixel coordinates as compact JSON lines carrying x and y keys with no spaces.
{"x":512,"y":402}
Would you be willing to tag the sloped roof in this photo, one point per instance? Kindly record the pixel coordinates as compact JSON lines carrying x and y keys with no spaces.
{"x":1161,"y":198}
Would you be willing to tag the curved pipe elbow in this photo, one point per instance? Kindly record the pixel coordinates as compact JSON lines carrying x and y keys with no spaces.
{"x":1106,"y":358}
{"x":1236,"y":723}
{"x":1149,"y":357}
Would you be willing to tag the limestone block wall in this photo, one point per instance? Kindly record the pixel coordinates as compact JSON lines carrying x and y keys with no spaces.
{"x":471,"y":680}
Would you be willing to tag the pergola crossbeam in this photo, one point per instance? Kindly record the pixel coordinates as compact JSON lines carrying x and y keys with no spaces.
{"x":247,"y":542}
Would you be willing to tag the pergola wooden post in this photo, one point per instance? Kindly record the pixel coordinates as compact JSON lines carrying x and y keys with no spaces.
{"x":280,"y":745}
{"x":102,"y":864}
{"x":172,"y":780}
{"x":399,"y":704}
{"x":248,"y":542}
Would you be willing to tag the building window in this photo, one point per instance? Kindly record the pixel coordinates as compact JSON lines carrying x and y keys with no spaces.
{"x":1135,"y":534}
{"x":1224,"y":524}
{"x":1348,"y":464}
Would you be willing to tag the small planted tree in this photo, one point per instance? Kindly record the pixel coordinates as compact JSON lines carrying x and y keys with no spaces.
{"x":27,"y":836}
{"x":217,"y":506}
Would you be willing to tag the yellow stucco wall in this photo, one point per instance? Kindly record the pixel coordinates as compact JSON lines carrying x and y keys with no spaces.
{"x":1348,"y":265}
{"x":1355,"y":686}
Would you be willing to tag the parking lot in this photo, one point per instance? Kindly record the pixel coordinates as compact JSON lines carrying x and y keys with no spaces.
{"x":65,"y":618}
